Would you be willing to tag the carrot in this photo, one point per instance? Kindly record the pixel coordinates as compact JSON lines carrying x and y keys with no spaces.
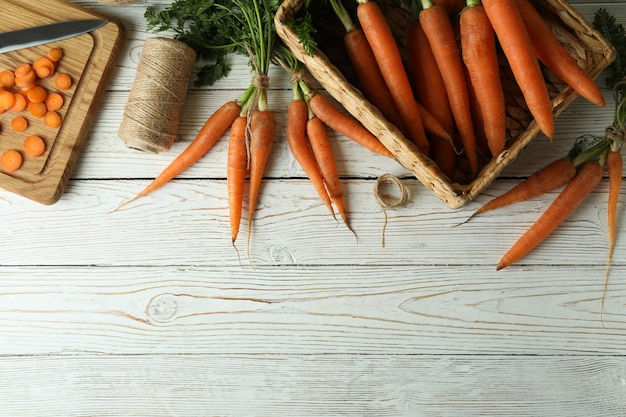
{"x":21,"y":103}
{"x":34,"y":146}
{"x":37,"y":108}
{"x":389,"y":60}
{"x":63,"y":81}
{"x":44,"y":67}
{"x":322,"y":150}
{"x":262,"y":132}
{"x":442,"y":40}
{"x":52,"y":119}
{"x":237,"y":169}
{"x":478,"y":46}
{"x":54,"y":101}
{"x":431,"y":93}
{"x":554,"y":55}
{"x":614,"y":165}
{"x":349,"y":127}
{"x":209,"y":134}
{"x":588,"y":177}
{"x":7,"y":79}
{"x":19,"y":124}
{"x":7,"y":100}
{"x":11,"y":160}
{"x":517,"y":46}
{"x":366,"y":69}
{"x":36,"y":94}
{"x":297,"y":116}
{"x":55,"y":54}
{"x":548,"y":178}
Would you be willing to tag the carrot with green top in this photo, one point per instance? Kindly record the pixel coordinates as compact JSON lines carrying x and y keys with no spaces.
{"x":236,"y":171}
{"x":389,"y":60}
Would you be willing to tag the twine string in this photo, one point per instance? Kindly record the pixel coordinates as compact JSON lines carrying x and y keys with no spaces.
{"x":387,"y":201}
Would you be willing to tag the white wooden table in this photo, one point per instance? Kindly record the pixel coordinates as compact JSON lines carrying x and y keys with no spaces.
{"x":149,"y":312}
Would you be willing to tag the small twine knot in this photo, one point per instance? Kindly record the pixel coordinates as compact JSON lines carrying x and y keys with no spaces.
{"x":385,"y":200}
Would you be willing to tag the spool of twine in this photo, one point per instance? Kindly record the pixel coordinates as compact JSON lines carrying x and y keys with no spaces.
{"x":151,"y":116}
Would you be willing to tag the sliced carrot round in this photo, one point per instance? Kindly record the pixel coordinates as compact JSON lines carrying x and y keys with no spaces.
{"x":20,"y":103}
{"x":7,"y":79}
{"x":55,"y":54}
{"x":7,"y":100}
{"x":54,"y":101}
{"x":37,"y":94}
{"x":37,"y":109}
{"x":63,"y":81}
{"x":34,"y":146}
{"x":19,"y":124}
{"x":52,"y":119}
{"x":11,"y":160}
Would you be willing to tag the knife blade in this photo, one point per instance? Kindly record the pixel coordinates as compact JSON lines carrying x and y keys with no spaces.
{"x":38,"y":35}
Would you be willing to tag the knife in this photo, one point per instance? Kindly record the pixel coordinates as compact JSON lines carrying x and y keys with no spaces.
{"x":38,"y":35}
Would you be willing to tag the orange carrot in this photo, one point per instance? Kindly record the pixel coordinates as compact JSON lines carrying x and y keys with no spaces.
{"x":262,"y":132}
{"x":237,"y":170}
{"x":63,"y":81}
{"x":19,"y":124}
{"x":431,"y":93}
{"x":518,"y":48}
{"x":21,"y":102}
{"x":588,"y":177}
{"x":44,"y":67}
{"x":7,"y":100}
{"x":54,"y":101}
{"x":371,"y":80}
{"x":554,"y":55}
{"x":209,"y":134}
{"x":297,"y":116}
{"x":34,"y":146}
{"x":52,"y":119}
{"x":55,"y":54}
{"x":344,"y":124}
{"x":548,"y":178}
{"x":389,"y":60}
{"x":478,"y":46}
{"x":442,"y":40}
{"x":614,"y":165}
{"x":11,"y":160}
{"x":322,"y":150}
{"x":7,"y":79}
{"x":37,"y":108}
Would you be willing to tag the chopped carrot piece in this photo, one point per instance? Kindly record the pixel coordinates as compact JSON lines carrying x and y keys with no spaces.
{"x":37,"y":109}
{"x":54,"y":101}
{"x":7,"y":100}
{"x":27,"y":81}
{"x":34,"y":146}
{"x":55,"y":54}
{"x":11,"y":160}
{"x":63,"y":81}
{"x":23,"y":69}
{"x":20,"y":103}
{"x":37,"y":94}
{"x":44,"y":67}
{"x":19,"y":124}
{"x":7,"y":79}
{"x":52,"y":119}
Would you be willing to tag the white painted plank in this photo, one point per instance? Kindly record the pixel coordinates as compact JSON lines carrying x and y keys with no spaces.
{"x":329,"y":385}
{"x":304,"y":310}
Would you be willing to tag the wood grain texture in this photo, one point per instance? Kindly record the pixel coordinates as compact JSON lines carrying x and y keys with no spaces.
{"x":149,"y":311}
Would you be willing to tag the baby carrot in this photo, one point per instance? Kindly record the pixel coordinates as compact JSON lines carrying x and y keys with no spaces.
{"x":322,"y":150}
{"x":442,"y":40}
{"x":614,"y":165}
{"x":478,"y":46}
{"x":517,"y":46}
{"x":389,"y":60}
{"x":554,"y":55}
{"x":297,"y":116}
{"x":237,"y":169}
{"x":262,"y":133}
{"x":588,"y":177}
{"x":548,"y":178}
{"x":349,"y":127}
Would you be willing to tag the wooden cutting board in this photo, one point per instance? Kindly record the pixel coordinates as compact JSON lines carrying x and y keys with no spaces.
{"x":89,"y":59}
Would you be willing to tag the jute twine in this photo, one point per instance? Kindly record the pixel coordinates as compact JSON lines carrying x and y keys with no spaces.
{"x":151,"y":116}
{"x":387,"y":201}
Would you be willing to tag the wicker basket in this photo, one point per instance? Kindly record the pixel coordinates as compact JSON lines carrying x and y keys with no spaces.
{"x":592,"y":52}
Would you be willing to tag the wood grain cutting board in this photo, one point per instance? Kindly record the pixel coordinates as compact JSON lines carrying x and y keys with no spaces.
{"x":89,"y":59}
